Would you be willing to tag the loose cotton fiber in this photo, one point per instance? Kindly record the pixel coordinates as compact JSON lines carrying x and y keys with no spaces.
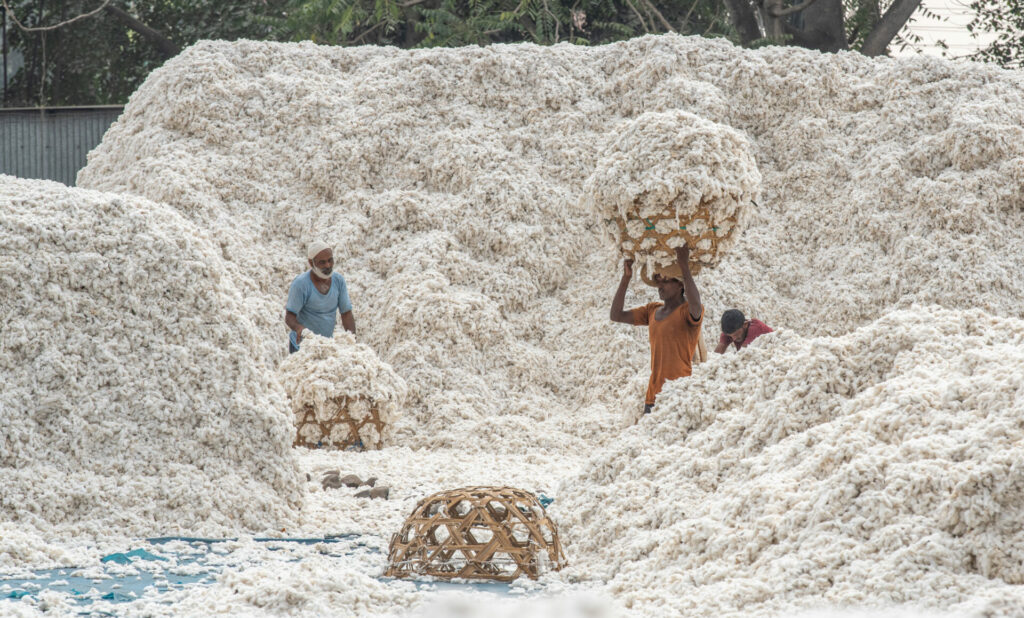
{"x":450,"y":182}
{"x":325,"y":371}
{"x":452,"y":185}
{"x":677,"y":163}
{"x":876,"y":468}
{"x":131,"y":400}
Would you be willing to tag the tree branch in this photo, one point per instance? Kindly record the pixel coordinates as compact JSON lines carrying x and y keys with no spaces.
{"x":639,"y":16}
{"x":876,"y":42}
{"x":14,"y":18}
{"x":686,"y":18}
{"x":661,"y":17}
{"x":356,"y":40}
{"x":165,"y":45}
{"x":775,"y":12}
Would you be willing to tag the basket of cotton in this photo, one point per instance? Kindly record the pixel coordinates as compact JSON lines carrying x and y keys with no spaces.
{"x":496,"y":533}
{"x":343,"y":396}
{"x":669,"y":178}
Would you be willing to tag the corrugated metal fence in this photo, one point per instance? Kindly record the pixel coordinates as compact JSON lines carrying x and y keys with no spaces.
{"x":51,"y":142}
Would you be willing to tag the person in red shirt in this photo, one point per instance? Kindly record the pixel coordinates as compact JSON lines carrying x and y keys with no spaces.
{"x":739,"y":331}
{"x":673,"y":325}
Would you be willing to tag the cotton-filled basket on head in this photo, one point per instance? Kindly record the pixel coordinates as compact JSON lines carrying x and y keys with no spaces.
{"x":669,"y":178}
{"x":342,"y":394}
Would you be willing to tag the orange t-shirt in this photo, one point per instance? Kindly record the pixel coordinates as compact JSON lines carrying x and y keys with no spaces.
{"x":673,"y":341}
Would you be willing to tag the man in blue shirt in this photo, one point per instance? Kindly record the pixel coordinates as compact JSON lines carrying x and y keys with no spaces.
{"x":315,"y":296}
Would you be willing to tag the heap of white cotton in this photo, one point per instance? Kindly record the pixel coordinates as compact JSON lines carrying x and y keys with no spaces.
{"x":884,"y":466}
{"x":131,"y":400}
{"x":449,"y":182}
{"x":675,"y":160}
{"x":326,"y":370}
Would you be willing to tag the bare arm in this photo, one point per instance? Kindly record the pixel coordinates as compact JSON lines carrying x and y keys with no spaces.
{"x":722,"y":347}
{"x":689,"y":286}
{"x":349,"y":322}
{"x":617,"y":314}
{"x":292,"y":321}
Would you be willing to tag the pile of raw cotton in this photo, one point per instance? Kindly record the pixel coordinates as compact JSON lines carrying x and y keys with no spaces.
{"x":131,"y":400}
{"x":674,"y":161}
{"x":325,"y":371}
{"x":881,"y":467}
{"x":449,"y":183}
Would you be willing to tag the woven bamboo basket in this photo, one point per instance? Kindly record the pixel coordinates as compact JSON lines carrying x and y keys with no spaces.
{"x":657,"y":235}
{"x":495,"y":533}
{"x":345,"y":423}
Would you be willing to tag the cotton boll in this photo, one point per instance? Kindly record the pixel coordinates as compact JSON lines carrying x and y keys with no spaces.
{"x":309,"y":432}
{"x":665,"y":226}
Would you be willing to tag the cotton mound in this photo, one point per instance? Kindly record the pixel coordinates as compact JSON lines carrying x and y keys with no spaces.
{"x":679,"y":162}
{"x":325,"y":370}
{"x":449,"y":182}
{"x":879,"y":467}
{"x":131,"y":401}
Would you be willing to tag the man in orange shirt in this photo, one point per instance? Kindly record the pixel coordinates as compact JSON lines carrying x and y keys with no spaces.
{"x":673,"y":325}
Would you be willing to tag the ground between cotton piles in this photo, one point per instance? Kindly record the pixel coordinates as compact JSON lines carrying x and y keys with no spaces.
{"x":826,"y":467}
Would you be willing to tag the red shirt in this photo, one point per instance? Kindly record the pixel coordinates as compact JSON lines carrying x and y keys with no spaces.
{"x":754,"y":330}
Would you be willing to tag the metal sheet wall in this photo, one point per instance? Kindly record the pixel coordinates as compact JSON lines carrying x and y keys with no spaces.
{"x":51,"y":143}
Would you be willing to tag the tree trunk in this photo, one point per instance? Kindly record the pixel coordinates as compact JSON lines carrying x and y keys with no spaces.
{"x":58,"y":61}
{"x":822,"y":27}
{"x":743,"y":19}
{"x":877,"y":41}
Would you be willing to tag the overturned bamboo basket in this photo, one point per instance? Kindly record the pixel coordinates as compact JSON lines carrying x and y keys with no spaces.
{"x":495,"y":533}
{"x":342,"y":423}
{"x":655,"y":237}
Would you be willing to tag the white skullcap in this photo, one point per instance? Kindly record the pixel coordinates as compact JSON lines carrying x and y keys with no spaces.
{"x":315,"y":248}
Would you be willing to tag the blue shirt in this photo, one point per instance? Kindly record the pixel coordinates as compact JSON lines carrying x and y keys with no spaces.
{"x":317,"y":312}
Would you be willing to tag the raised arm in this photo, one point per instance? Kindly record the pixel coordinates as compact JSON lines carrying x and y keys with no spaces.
{"x":689,"y":285}
{"x":617,"y":314}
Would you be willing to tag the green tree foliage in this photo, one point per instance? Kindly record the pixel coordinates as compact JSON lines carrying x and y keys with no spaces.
{"x":102,"y":59}
{"x":1004,"y":18}
{"x":430,"y":23}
